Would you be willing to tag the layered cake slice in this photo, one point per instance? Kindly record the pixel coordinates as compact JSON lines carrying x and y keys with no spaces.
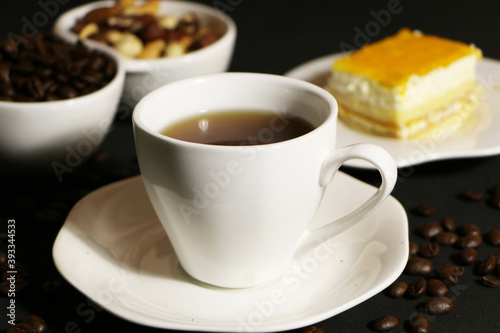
{"x":406,"y":84}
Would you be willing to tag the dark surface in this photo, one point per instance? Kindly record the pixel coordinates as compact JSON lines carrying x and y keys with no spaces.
{"x":274,"y":36}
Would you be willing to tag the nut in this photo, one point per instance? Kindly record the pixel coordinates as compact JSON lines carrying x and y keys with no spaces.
{"x":175,"y":49}
{"x":99,"y":15}
{"x":113,"y":36}
{"x":129,"y":45}
{"x":120,"y":22}
{"x":149,"y":7}
{"x":153,"y":50}
{"x":152,"y":31}
{"x":168,"y":22}
{"x":88,"y":30}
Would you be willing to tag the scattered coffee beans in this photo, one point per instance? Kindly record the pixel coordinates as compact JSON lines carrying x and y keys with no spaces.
{"x":469,"y":229}
{"x":438,"y":305}
{"x":414,"y":248}
{"x":493,"y":237}
{"x":312,"y":329}
{"x":468,"y":238}
{"x":425,"y":209}
{"x":417,"y":288}
{"x":419,"y":324}
{"x":419,"y":266}
{"x":429,"y":250}
{"x":448,"y":224}
{"x":384,"y":323}
{"x":487,"y":266}
{"x":491,"y":281}
{"x":497,"y":265}
{"x":436,"y":287}
{"x":446,"y":238}
{"x":450,"y":273}
{"x":430,"y":230}
{"x":495,"y":199}
{"x":468,"y":256}
{"x":472,"y":195}
{"x":45,"y":68}
{"x":398,"y":289}
{"x":474,"y":241}
{"x":31,"y":324}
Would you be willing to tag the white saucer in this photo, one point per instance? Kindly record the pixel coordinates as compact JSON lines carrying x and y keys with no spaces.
{"x":113,"y":249}
{"x":480,"y":138}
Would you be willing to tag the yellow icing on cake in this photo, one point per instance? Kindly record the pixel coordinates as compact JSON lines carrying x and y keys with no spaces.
{"x":393,"y":60}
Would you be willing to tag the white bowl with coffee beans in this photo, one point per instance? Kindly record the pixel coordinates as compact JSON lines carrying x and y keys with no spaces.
{"x":57,"y":103}
{"x":158,"y":41}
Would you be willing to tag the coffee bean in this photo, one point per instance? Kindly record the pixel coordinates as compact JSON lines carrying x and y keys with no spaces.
{"x":446,"y":238}
{"x":419,"y":324}
{"x":468,"y":256}
{"x":495,"y":199}
{"x":436,"y":287}
{"x":36,"y":323}
{"x":438,"y":305}
{"x":43,"y":72}
{"x":448,"y":224}
{"x":474,"y":241}
{"x":425,"y":209}
{"x":429,"y":250}
{"x":398,"y":289}
{"x":21,"y":278}
{"x":67,"y":92}
{"x":9,"y":49}
{"x":6,"y":89}
{"x":491,"y":281}
{"x":493,"y":237}
{"x":30,"y":71}
{"x":430,"y":229}
{"x":312,"y":329}
{"x":4,"y":72}
{"x":419,"y":266}
{"x":497,"y":264}
{"x":413,"y":248}
{"x":469,"y":229}
{"x":31,"y":324}
{"x":487,"y":266}
{"x":384,"y":323}
{"x":472,"y":195}
{"x":450,"y":273}
{"x":417,"y":288}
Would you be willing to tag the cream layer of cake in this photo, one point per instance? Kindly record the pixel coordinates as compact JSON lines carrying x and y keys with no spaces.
{"x":401,"y":92}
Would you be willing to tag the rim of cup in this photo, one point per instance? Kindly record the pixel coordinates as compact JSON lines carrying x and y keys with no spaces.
{"x":142,"y":107}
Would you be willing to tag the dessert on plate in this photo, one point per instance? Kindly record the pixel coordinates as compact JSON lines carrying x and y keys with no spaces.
{"x":406,"y":84}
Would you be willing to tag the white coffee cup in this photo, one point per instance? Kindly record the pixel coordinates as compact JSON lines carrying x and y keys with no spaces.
{"x":238,"y":215}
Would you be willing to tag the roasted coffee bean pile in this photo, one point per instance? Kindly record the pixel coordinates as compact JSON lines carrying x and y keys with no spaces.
{"x":45,"y":68}
{"x":432,"y":284}
{"x":30,"y":324}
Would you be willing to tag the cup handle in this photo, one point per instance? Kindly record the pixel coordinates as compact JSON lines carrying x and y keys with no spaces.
{"x":385,"y":164}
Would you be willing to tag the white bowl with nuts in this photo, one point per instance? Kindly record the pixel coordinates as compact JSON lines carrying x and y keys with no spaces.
{"x":159,"y":41}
